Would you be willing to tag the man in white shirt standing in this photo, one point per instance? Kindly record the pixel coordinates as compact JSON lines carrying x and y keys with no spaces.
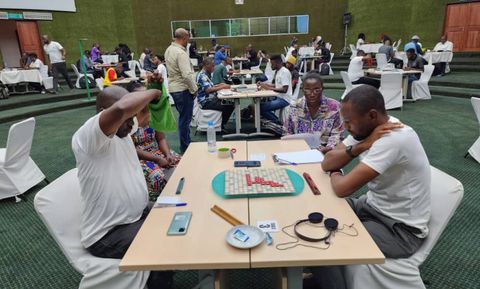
{"x":355,"y":71}
{"x":281,"y":83}
{"x":56,"y":53}
{"x":393,"y":164}
{"x":114,"y":194}
{"x":443,"y":46}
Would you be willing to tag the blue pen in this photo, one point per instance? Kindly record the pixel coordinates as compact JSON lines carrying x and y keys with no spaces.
{"x":176,"y":205}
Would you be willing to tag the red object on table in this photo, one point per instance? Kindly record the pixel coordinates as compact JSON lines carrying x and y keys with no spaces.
{"x":311,"y":184}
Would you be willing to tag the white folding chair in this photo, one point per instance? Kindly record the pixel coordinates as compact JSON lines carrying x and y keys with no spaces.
{"x":330,"y":63}
{"x":77,"y":73}
{"x":258,"y":66}
{"x":354,"y":51}
{"x":99,"y":82}
{"x":395,"y":46}
{"x":328,"y":45}
{"x":474,"y":150}
{"x":143,"y":72}
{"x":284,"y":59}
{"x":194,"y":62}
{"x":47,"y":81}
{"x":446,"y":194}
{"x":420,"y":88}
{"x":58,"y":206}
{"x":201,"y":117}
{"x":348,"y":83}
{"x":297,"y":91}
{"x":381,"y":60}
{"x":18,"y":172}
{"x":269,"y":71}
{"x":391,"y":89}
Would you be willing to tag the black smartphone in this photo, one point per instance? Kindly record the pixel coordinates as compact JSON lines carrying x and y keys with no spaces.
{"x":247,"y":164}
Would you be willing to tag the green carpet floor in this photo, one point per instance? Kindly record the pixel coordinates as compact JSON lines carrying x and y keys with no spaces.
{"x":29,"y":257}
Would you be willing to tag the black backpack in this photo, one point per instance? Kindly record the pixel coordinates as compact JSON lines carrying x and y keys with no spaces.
{"x":324,"y":69}
{"x":91,"y":82}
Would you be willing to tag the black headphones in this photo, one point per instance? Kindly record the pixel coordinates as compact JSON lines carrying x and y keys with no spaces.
{"x":316,"y":218}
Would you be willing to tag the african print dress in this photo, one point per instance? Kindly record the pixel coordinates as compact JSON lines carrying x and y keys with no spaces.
{"x":156,"y":176}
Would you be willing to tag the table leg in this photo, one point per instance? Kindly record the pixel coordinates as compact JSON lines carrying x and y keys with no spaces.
{"x":256,"y":101}
{"x":405,"y":88}
{"x":305,"y":66}
{"x":241,"y":65}
{"x":243,"y":79}
{"x":294,"y":278}
{"x":238,"y":122}
{"x":254,"y":79}
{"x":206,"y":279}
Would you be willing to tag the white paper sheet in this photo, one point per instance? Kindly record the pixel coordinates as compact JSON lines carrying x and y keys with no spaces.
{"x":312,"y":139}
{"x":300,"y":157}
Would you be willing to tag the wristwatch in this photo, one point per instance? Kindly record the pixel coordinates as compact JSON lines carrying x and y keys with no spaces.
{"x":348,"y":150}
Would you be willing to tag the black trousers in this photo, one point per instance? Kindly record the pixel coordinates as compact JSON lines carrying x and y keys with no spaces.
{"x":57,"y":69}
{"x":216,"y":104}
{"x":115,"y":244}
{"x":367,"y":80}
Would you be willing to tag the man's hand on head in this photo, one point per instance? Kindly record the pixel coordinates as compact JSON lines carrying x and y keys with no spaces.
{"x":380,"y":131}
{"x":155,"y":78}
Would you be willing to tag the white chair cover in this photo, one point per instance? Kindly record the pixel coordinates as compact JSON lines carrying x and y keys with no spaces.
{"x":391,"y":89}
{"x":348,"y":83}
{"x":354,"y":51}
{"x":269,"y":71}
{"x":306,"y":51}
{"x":201,"y":117}
{"x":381,"y":60}
{"x":330,"y":63}
{"x":18,"y":172}
{"x":420,"y":88}
{"x":446,"y":194}
{"x":258,"y":66}
{"x":47,"y":81}
{"x":58,"y":205}
{"x":296,"y":92}
{"x":395,"y":46}
{"x":77,"y":73}
{"x":474,"y":150}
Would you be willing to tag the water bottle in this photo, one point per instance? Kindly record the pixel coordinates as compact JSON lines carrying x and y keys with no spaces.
{"x":211,"y":138}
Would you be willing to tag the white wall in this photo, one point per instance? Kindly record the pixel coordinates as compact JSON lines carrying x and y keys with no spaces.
{"x":49,"y":5}
{"x":9,"y":46}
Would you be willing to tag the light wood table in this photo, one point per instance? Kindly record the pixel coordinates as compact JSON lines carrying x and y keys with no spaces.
{"x":287,"y":210}
{"x":126,"y":81}
{"x":244,"y":72}
{"x":405,"y":73}
{"x":204,"y":246}
{"x":240,"y":60}
{"x":256,"y":96}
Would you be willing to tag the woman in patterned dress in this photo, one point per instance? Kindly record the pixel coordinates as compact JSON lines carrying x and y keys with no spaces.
{"x":156,"y":158}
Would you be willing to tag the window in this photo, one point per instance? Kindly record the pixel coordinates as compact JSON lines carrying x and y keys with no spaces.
{"x":180,"y":24}
{"x":200,"y":29}
{"x":258,"y":26}
{"x":238,"y":27}
{"x":279,"y":25}
{"x":220,"y":28}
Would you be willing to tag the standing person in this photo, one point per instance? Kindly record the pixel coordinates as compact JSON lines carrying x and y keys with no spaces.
{"x":114,"y":203}
{"x":96,"y":54}
{"x":56,"y":53}
{"x":220,"y":55}
{"x":181,"y":83}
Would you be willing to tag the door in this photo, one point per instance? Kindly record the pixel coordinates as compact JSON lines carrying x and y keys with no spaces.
{"x":29,"y":38}
{"x":462,"y":26}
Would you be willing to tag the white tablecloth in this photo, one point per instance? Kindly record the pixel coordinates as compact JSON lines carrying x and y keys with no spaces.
{"x":110,"y":59}
{"x":17,"y":76}
{"x":439,"y":56}
{"x":370,"y":48}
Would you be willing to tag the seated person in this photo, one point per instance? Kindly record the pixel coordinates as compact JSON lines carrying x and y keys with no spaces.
{"x":393,"y":164}
{"x":415,"y":62}
{"x":443,"y":45}
{"x":220,"y":55}
{"x":253,"y":59}
{"x":322,"y":50}
{"x":96,"y":53}
{"x":36,"y":63}
{"x":124,"y":55}
{"x":415,"y":44}
{"x":114,"y":203}
{"x":192,"y":51}
{"x":281,"y":83}
{"x":148,"y":64}
{"x":25,"y":60}
{"x":315,"y":114}
{"x":89,"y":65}
{"x":387,"y":49}
{"x":207,"y":92}
{"x":142,"y":56}
{"x":292,"y":67}
{"x":355,"y":71}
{"x":360,"y":40}
{"x":221,"y":74}
{"x":158,"y":161}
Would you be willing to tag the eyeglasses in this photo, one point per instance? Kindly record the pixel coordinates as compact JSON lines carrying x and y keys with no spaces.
{"x":316,"y":91}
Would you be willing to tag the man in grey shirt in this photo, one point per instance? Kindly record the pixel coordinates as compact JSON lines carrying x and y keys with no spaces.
{"x":387,"y":49}
{"x":415,"y":62}
{"x":181,"y":83}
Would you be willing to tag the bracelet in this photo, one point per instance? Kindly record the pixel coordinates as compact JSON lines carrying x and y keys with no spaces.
{"x":334,"y":172}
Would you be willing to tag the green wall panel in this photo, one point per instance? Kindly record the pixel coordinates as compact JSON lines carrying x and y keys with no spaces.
{"x":108,"y":22}
{"x":398,"y":19}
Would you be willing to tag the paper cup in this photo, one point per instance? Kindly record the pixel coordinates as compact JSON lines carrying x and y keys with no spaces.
{"x":223,"y":153}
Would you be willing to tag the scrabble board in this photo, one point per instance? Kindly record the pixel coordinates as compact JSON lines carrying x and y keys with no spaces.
{"x":258,"y":181}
